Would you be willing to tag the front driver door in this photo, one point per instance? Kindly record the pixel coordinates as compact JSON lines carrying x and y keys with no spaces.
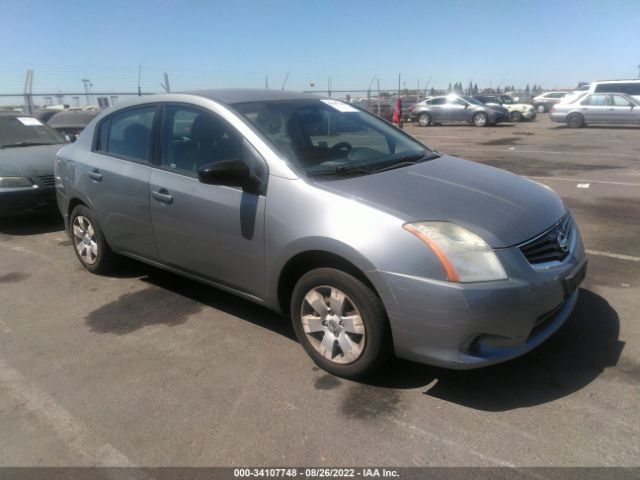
{"x":212,"y":231}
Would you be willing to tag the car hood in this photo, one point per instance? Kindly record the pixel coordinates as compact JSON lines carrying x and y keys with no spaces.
{"x":504,"y":209}
{"x":30,"y":162}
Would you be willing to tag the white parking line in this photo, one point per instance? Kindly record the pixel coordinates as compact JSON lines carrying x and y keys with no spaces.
{"x":619,"y":256}
{"x":565,"y":179}
{"x":75,"y":435}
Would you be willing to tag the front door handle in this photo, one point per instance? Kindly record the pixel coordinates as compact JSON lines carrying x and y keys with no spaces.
{"x":95,"y":175}
{"x":162,"y":196}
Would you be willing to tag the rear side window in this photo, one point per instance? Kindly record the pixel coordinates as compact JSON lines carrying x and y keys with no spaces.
{"x":127,"y":134}
{"x":628,"y":88}
{"x":597,"y":100}
{"x":437,"y":101}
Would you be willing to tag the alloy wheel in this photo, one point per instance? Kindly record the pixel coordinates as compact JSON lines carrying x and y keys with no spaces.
{"x":333,"y":324}
{"x":84,"y":237}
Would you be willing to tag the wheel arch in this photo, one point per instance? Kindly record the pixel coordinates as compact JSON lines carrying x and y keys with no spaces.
{"x":308,"y":260}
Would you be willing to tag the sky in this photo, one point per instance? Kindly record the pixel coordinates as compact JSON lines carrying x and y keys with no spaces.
{"x":214,"y":44}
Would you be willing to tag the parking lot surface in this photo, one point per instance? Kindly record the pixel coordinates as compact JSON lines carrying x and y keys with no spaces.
{"x":147,"y":368}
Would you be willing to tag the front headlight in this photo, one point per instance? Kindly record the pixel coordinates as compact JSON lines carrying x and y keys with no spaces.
{"x":464,"y":256}
{"x":15,"y":182}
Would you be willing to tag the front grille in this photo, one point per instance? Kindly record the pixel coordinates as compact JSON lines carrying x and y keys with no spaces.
{"x":547,"y":247}
{"x":48,"y":180}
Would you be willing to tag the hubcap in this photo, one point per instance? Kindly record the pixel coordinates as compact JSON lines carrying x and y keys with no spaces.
{"x":333,"y":324}
{"x":84,"y":238}
{"x":424,"y":120}
{"x":480,"y":120}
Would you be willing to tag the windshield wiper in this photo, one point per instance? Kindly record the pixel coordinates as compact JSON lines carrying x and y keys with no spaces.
{"x":408,"y":160}
{"x":25,"y":144}
{"x":342,"y":170}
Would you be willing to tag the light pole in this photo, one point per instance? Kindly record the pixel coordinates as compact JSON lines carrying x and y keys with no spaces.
{"x":369,"y":89}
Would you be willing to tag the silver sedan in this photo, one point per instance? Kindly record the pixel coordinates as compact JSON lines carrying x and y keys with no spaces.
{"x":615,"y":108}
{"x":372,"y":242}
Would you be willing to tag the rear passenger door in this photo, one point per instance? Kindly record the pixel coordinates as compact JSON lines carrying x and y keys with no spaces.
{"x":437,"y":109}
{"x":115,"y":179}
{"x":595,"y":108}
{"x":215,"y":232}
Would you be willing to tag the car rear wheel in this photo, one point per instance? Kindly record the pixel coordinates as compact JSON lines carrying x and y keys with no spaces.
{"x":424,"y":120}
{"x":89,"y":243}
{"x":340,"y":322}
{"x":480,"y":119}
{"x":541,"y":108}
{"x":575,"y":120}
{"x":515,"y":116}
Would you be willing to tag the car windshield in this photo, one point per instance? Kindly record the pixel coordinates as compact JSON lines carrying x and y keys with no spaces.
{"x":472,"y":100}
{"x":18,"y":131}
{"x":328,"y":136}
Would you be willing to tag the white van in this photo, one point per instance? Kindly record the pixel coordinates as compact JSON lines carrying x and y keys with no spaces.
{"x":630,"y":87}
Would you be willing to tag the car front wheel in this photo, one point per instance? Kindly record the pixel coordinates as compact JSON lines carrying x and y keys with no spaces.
{"x":89,"y":243}
{"x":515,"y":116}
{"x":340,"y":322}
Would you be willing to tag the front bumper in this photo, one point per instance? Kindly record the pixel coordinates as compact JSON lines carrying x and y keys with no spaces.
{"x":529,"y":114}
{"x":21,"y":201}
{"x":463,"y":326}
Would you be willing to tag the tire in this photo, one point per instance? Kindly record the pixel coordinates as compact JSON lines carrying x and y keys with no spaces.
{"x":541,"y":108}
{"x":515,"y":116}
{"x":361,"y":324}
{"x":88,"y":241}
{"x":481,"y":119}
{"x":575,"y":120}
{"x":424,"y":120}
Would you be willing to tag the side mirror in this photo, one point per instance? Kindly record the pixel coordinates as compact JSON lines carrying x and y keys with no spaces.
{"x":231,"y":173}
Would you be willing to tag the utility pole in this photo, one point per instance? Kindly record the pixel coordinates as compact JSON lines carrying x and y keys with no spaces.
{"x":165,"y":86}
{"x":398,"y":84}
{"x":87,"y":83}
{"x":378,"y":88}
{"x":285,"y":80}
{"x":28,"y":88}
{"x":266,"y":82}
{"x":638,"y":72}
{"x":369,"y":89}
{"x":329,"y":82}
{"x":139,"y":75}
{"x":60,"y":98}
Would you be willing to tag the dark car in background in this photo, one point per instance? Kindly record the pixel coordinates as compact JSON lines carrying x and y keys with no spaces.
{"x":518,"y":112}
{"x":408,"y":103}
{"x":27,"y":154}
{"x":69,"y":123}
{"x":457,"y":109}
{"x":381,"y":107}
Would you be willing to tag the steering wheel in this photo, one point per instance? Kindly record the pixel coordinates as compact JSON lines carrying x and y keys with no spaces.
{"x":342,"y":146}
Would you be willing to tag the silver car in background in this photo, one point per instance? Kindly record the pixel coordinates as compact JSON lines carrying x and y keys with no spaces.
{"x":598,"y":108}
{"x":372,"y":242}
{"x":457,"y":109}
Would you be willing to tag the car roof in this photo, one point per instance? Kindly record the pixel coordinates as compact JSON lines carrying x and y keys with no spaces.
{"x":244,"y":95}
{"x":618,"y":81}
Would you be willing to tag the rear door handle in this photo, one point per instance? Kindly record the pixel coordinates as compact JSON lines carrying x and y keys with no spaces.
{"x":95,"y":175}
{"x":162,"y":196}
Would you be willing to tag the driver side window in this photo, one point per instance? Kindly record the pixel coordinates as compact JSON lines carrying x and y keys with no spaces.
{"x":192,"y":138}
